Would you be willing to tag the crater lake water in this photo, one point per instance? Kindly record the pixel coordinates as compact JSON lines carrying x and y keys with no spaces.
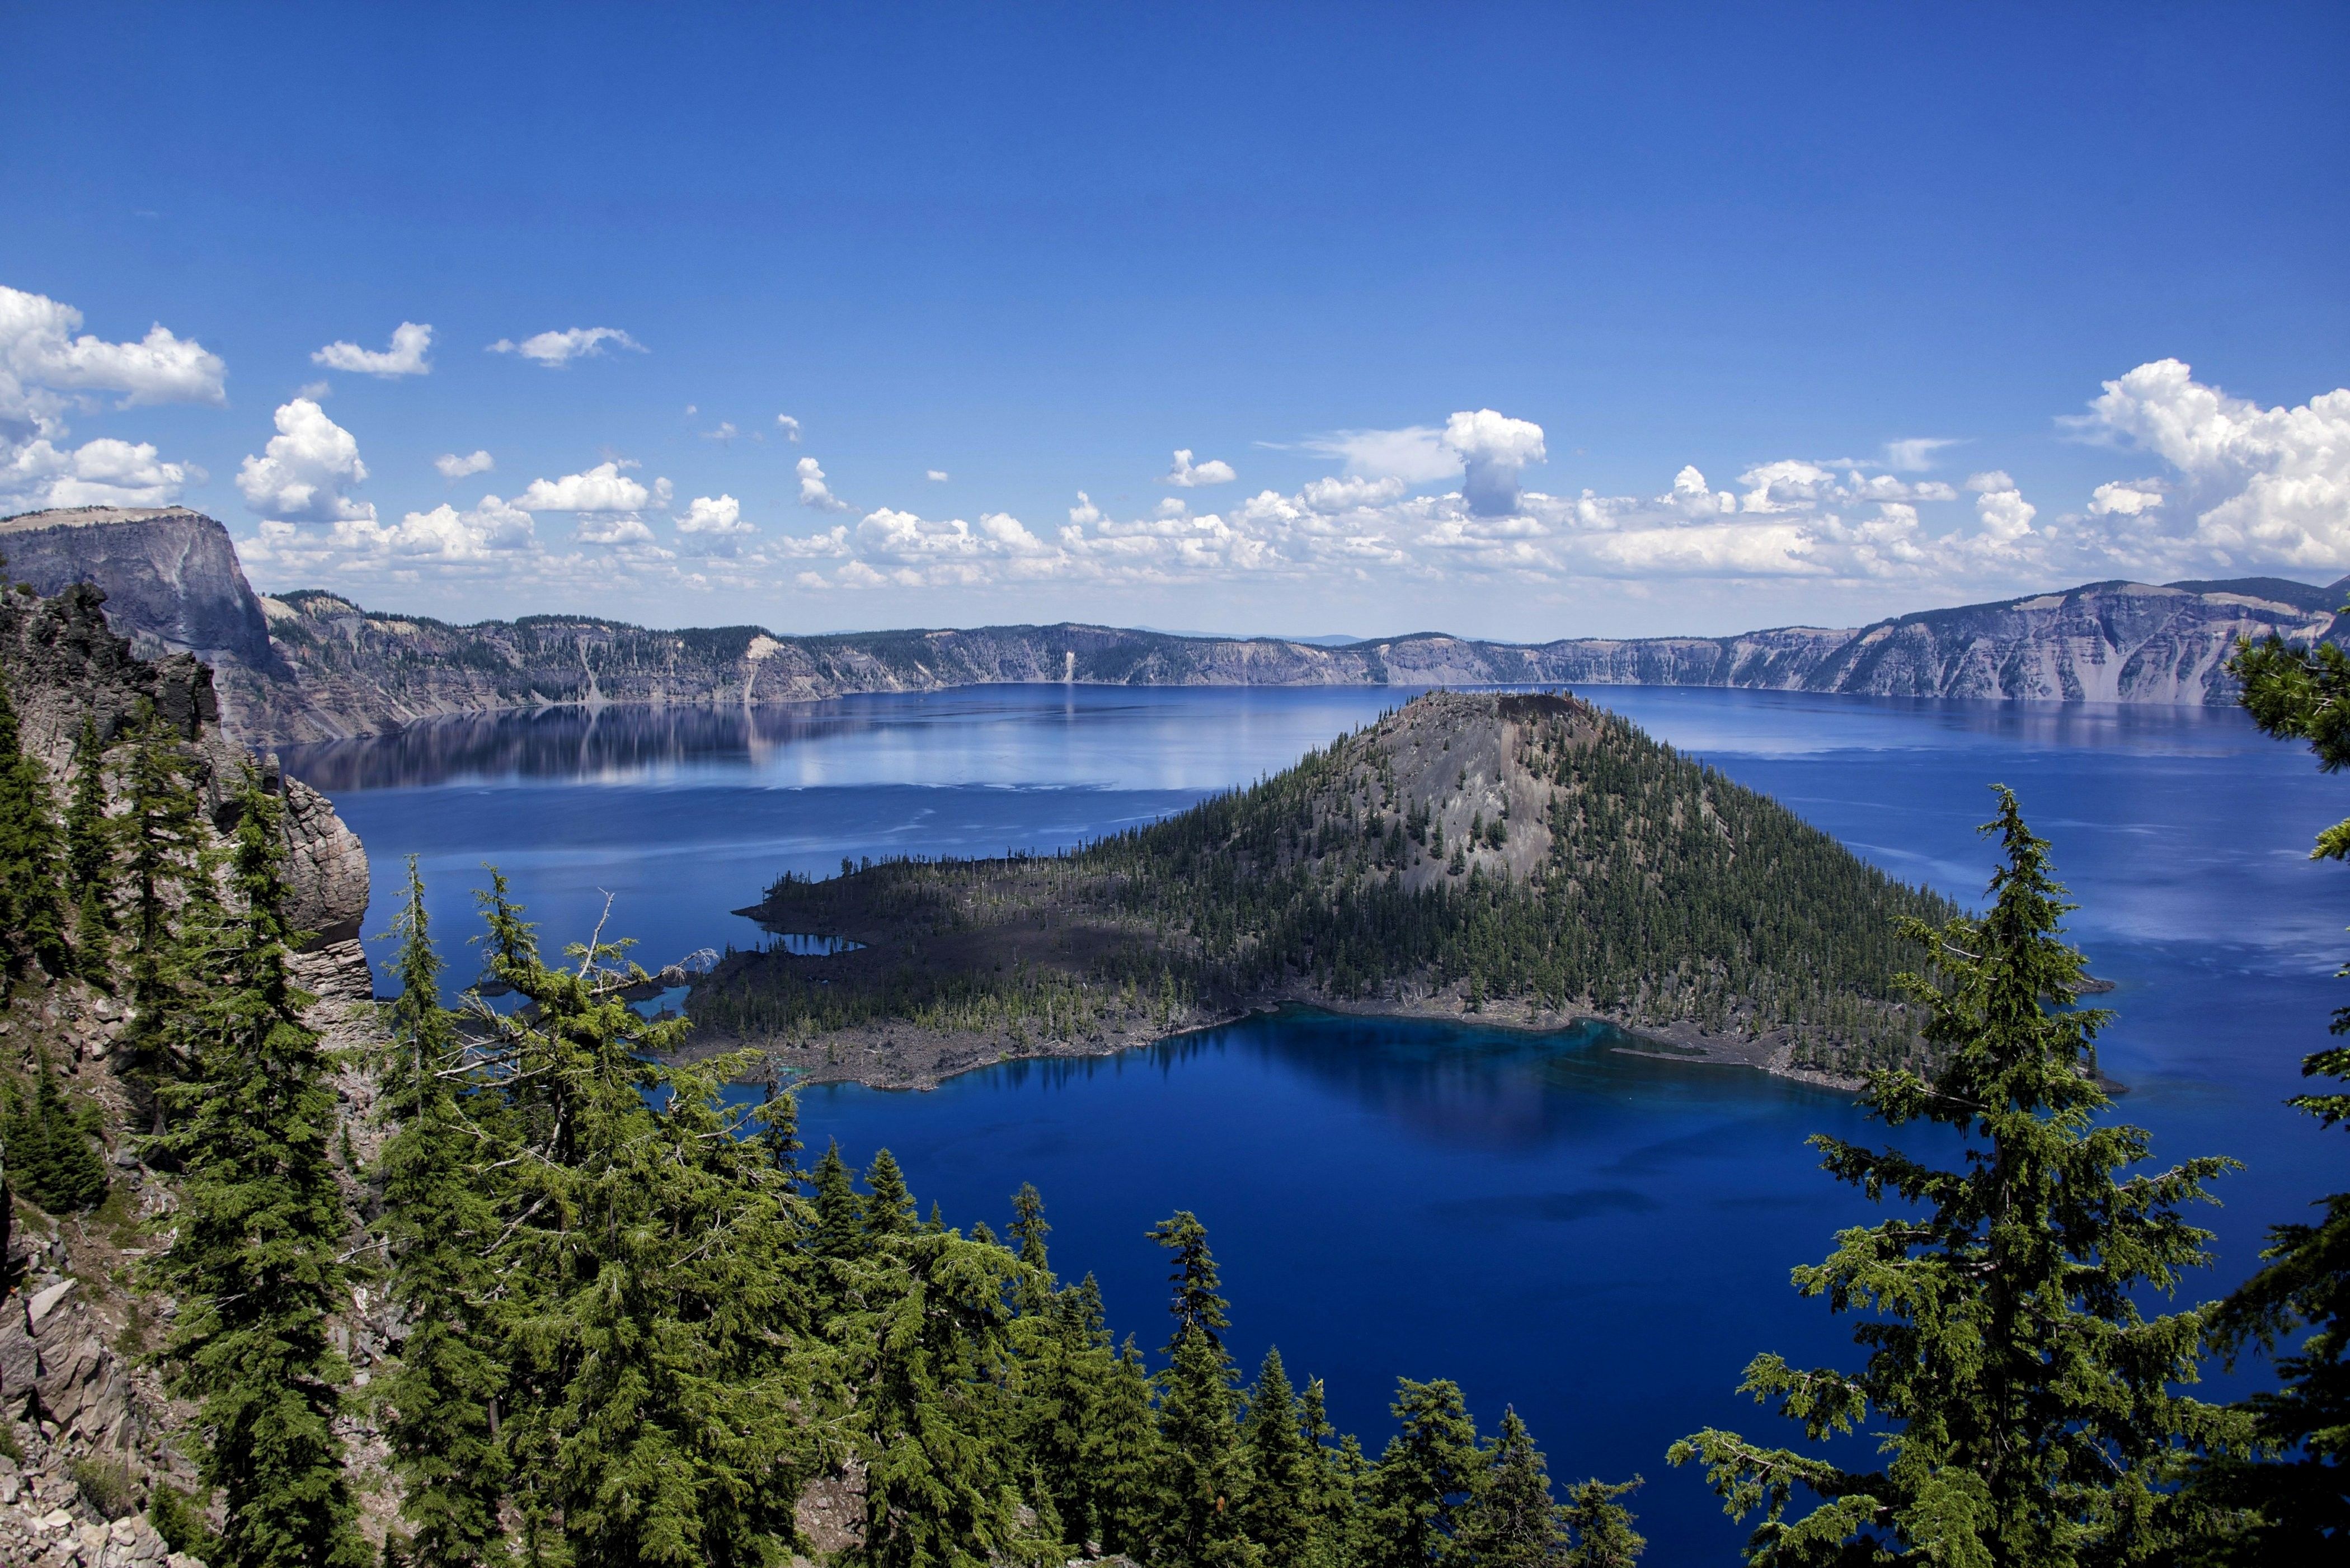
{"x":1601,"y":1240}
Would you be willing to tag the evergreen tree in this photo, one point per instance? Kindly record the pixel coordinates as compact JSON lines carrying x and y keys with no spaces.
{"x":162,"y":824}
{"x":31,"y":931}
{"x":839,"y":1212}
{"x":889,"y":1207}
{"x":1280,"y":1510}
{"x":656,"y":1327}
{"x":931,"y":1357}
{"x":51,"y":1159}
{"x":2030,"y":1410}
{"x":1122,"y":1454}
{"x":90,"y":853}
{"x":2297,"y":1307}
{"x":437,"y":1225}
{"x":1428,"y":1479}
{"x":1342,"y":1480}
{"x":1600,"y":1527}
{"x":1205,"y":1470}
{"x":1514,"y":1523}
{"x":254,"y":1263}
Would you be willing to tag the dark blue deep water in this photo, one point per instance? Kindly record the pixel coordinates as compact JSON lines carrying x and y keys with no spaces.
{"x":1601,"y":1240}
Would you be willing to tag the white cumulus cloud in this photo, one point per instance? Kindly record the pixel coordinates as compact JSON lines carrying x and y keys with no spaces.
{"x":1188,"y":475}
{"x":603,"y":488}
{"x":451,"y":466}
{"x":2255,"y":486}
{"x":790,"y":426}
{"x":556,"y":349}
{"x":410,"y":342}
{"x":935,"y":475}
{"x":715,"y":515}
{"x":1415,"y":455}
{"x":304,"y":473}
{"x":44,"y":366}
{"x":814,"y":491}
{"x":1492,"y":449}
{"x":101,"y":472}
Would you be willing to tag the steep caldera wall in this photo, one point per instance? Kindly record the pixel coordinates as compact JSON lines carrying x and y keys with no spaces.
{"x":310,"y":665}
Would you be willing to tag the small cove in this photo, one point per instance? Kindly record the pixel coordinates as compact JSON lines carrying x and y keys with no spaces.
{"x":1600,"y":1237}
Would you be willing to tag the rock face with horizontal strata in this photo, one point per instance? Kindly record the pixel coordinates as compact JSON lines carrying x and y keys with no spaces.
{"x":309,"y":665}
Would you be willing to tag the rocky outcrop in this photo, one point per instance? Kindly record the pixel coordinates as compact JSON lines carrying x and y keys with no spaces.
{"x":309,"y":665}
{"x":65,"y":663}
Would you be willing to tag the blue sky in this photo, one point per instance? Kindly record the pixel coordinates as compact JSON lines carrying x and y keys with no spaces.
{"x":1517,"y":321}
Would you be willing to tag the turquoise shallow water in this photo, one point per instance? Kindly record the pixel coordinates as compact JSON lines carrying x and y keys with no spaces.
{"x":1602,"y":1240}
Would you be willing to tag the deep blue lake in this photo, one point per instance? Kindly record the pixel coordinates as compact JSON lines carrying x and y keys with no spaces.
{"x":1603,"y":1241}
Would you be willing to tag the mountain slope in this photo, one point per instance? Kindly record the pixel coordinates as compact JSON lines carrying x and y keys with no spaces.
{"x":1531,"y":857}
{"x":311,"y":665}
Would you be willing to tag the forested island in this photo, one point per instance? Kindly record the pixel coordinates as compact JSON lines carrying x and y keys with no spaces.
{"x":1526,"y":858}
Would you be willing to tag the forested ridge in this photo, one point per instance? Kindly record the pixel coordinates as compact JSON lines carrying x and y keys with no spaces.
{"x":1473,"y":850}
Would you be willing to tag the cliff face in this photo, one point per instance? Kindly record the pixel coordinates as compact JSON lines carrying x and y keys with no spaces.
{"x":310,"y":666}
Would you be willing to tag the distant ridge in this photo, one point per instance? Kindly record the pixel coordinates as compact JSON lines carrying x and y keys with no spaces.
{"x":311,"y":665}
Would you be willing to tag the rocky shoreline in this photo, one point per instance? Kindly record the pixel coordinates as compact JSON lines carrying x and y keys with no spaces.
{"x":902,"y":1057}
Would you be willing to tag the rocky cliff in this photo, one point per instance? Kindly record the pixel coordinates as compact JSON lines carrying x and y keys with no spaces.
{"x":310,"y":665}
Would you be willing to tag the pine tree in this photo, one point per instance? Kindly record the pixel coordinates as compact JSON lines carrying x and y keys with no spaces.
{"x":2028,"y":1408}
{"x":51,"y":1159}
{"x":1205,"y":1470}
{"x":437,"y":1225}
{"x":1279,"y":1511}
{"x":1513,"y":1522}
{"x":32,"y":932}
{"x":1342,"y":1478}
{"x":254,"y":1263}
{"x":1428,"y":1479}
{"x":2297,"y":1307}
{"x":91,"y":854}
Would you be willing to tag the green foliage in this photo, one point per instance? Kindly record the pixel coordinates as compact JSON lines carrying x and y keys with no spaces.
{"x":437,"y":1225}
{"x":2028,"y":1409}
{"x":254,"y":1264}
{"x":1429,"y":1481}
{"x":1204,"y":1467}
{"x":2296,"y":1309}
{"x":51,"y":1158}
{"x":107,"y":1485}
{"x":179,"y":1519}
{"x":1514,"y":1523}
{"x":1599,"y":1527}
{"x":90,"y":854}
{"x":162,"y":824}
{"x":32,"y":931}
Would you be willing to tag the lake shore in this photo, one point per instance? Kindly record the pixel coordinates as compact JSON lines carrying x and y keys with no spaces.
{"x":899,"y":1055}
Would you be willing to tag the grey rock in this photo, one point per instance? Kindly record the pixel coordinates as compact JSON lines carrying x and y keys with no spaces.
{"x":45,"y":1301}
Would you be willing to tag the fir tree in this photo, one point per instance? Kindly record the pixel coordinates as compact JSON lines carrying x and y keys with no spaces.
{"x":31,"y":931}
{"x":163,"y":827}
{"x":1514,"y":1523}
{"x":656,"y":1329}
{"x":1600,"y":1527}
{"x":1428,"y":1478}
{"x":1122,"y":1456}
{"x":2028,"y":1408}
{"x":1280,"y":1510}
{"x":90,"y":853}
{"x":839,"y":1212}
{"x":437,"y":1225}
{"x":51,"y":1159}
{"x":254,"y":1263}
{"x":1205,"y":1470}
{"x":2297,"y":1307}
{"x":889,"y":1207}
